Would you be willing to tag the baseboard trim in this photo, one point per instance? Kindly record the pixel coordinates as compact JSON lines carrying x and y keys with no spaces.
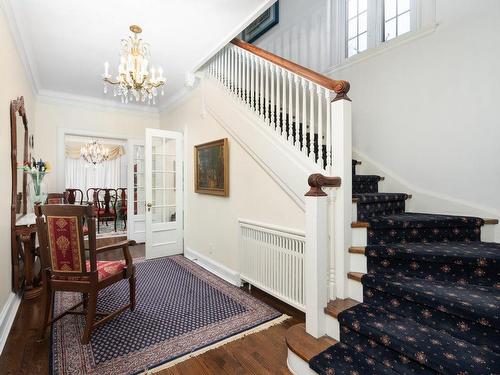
{"x":213,"y":266}
{"x":7,"y":316}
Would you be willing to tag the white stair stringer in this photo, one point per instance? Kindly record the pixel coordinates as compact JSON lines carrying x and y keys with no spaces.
{"x":288,"y":166}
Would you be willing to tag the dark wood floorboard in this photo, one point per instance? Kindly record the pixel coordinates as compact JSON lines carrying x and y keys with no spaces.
{"x":260,"y":353}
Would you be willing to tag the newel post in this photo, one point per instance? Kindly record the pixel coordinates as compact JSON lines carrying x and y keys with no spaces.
{"x":341,"y":125}
{"x":316,"y":253}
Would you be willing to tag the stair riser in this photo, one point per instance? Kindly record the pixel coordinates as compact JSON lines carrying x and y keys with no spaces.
{"x":358,"y":263}
{"x":332,"y":327}
{"x":365,"y":187}
{"x":384,"y":236}
{"x":366,"y":211}
{"x":374,"y":350}
{"x":378,"y":337}
{"x":355,"y":289}
{"x":438,"y":271}
{"x":428,"y":315}
{"x":359,"y":236}
{"x":297,"y":365}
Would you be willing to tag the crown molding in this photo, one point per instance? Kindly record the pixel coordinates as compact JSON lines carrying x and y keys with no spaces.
{"x":60,"y":98}
{"x":23,"y":49}
{"x":178,"y":99}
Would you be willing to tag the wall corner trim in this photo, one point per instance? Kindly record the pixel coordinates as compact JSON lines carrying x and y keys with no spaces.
{"x":7,"y":316}
{"x":218,"y":269}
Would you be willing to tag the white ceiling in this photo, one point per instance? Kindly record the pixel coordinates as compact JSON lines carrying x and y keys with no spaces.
{"x":66,"y":42}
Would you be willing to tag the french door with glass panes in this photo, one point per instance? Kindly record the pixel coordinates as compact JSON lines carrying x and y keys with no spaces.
{"x":136,"y":193}
{"x":163,"y":168}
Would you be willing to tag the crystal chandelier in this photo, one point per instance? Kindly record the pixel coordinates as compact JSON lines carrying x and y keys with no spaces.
{"x":94,"y":153}
{"x":134,"y":80}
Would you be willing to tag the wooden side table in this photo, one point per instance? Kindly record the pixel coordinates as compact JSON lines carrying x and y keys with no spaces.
{"x":26,"y":235}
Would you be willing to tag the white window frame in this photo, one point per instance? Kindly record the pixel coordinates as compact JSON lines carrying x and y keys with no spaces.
{"x":422,"y":14}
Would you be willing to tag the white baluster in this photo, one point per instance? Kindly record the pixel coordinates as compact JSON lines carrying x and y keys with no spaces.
{"x":278,"y":101}
{"x":312,"y":154}
{"x":266,"y":101}
{"x":252,"y":82}
{"x":304,"y":117}
{"x":273,"y":109}
{"x":290,"y":109}
{"x":245,"y":89}
{"x":261,"y":92}
{"x":297,"y":112}
{"x":224,"y":63}
{"x":240,"y":73}
{"x":283,"y":105}
{"x":328,"y":131}
{"x":320,"y":126}
{"x":257,"y":84}
{"x":219,"y":70}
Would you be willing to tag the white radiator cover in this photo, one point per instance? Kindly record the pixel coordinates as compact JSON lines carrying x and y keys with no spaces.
{"x":272,"y":259}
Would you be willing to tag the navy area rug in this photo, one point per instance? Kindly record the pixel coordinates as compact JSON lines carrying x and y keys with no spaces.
{"x":182,"y":310}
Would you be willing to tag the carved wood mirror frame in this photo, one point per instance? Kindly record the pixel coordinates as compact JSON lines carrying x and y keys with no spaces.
{"x":17,"y":108}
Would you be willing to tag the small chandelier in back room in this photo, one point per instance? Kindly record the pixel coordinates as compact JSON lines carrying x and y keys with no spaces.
{"x":135,"y":80}
{"x":94,"y":152}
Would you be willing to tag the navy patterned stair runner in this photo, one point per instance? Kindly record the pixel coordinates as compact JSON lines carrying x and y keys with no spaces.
{"x":431,"y":294}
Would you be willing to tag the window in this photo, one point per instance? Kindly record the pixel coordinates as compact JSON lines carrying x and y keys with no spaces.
{"x":357,"y":26}
{"x":367,"y":24}
{"x":396,"y":18}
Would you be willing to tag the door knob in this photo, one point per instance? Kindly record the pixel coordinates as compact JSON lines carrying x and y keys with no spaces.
{"x":149,"y":205}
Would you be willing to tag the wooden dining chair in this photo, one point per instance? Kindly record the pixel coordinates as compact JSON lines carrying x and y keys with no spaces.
{"x":106,"y":207}
{"x":122,"y":195}
{"x":56,"y":198}
{"x":75,"y":196}
{"x":65,"y":267}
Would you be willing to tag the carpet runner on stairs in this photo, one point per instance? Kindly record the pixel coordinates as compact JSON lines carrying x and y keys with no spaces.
{"x":431,"y":294}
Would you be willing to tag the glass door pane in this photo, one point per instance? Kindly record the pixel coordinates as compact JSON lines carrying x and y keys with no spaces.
{"x":163,"y":179}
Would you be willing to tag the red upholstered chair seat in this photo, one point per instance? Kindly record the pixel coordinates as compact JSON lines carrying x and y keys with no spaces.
{"x":102,"y":212}
{"x":105,"y":269}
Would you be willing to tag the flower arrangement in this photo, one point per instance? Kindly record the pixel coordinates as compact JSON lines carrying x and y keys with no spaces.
{"x":37,"y":171}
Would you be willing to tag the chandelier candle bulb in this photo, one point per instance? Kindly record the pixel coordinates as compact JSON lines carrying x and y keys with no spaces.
{"x":106,"y":69}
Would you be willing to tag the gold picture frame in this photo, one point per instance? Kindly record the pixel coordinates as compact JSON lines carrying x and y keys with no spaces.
{"x":211,"y":168}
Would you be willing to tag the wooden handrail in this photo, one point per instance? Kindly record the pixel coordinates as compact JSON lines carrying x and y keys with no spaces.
{"x":316,"y":181}
{"x":340,"y":87}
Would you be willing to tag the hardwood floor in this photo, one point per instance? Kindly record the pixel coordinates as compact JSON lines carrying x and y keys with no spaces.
{"x":263,"y":352}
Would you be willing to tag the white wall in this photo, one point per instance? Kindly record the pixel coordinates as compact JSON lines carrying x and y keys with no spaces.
{"x":429,"y":111}
{"x":302,"y":34}
{"x":426,"y":111}
{"x":15,"y":83}
{"x":211,"y":226}
{"x":52,"y":115}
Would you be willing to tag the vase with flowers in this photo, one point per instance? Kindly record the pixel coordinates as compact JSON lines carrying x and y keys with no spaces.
{"x":37,"y":170}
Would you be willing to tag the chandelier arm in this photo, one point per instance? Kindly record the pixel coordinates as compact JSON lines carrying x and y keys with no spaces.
{"x":110,"y":81}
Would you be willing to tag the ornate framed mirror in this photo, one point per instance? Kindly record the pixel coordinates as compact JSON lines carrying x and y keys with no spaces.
{"x":19,"y":200}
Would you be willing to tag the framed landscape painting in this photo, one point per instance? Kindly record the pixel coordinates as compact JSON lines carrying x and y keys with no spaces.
{"x":211,"y":168}
{"x":262,"y":24}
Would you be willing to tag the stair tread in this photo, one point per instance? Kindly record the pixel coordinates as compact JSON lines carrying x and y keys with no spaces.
{"x":479,"y":254}
{"x":472,"y":302}
{"x":421,"y":220}
{"x":432,"y":348}
{"x":305,"y":345}
{"x":357,"y":276}
{"x":341,"y":359}
{"x":336,"y":306}
{"x":379,"y":197}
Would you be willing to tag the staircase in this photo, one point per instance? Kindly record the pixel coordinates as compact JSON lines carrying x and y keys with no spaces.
{"x":431,"y":298}
{"x":408,"y":292}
